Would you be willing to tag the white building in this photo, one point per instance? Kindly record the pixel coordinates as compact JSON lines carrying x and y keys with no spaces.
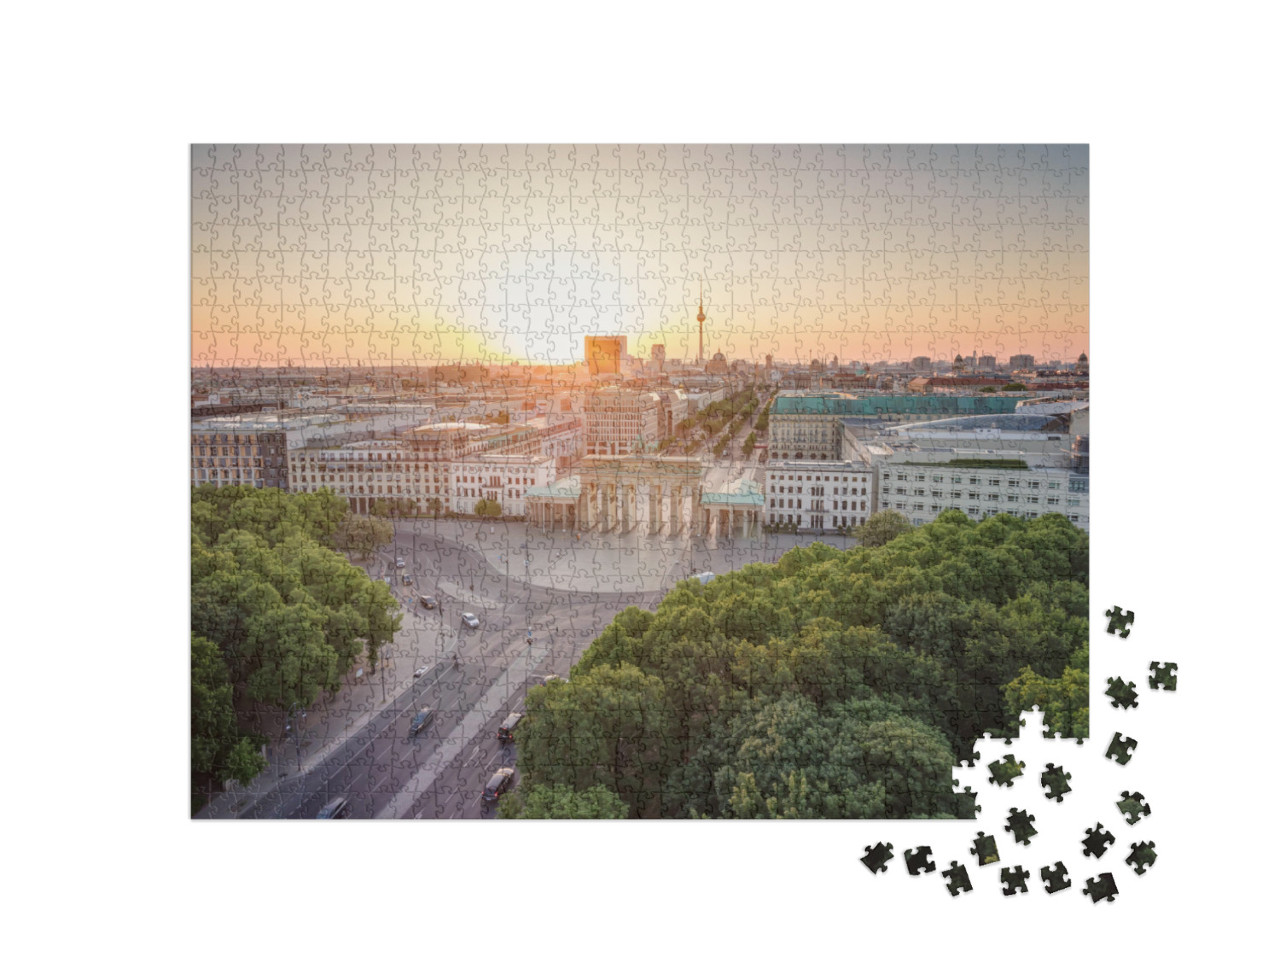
{"x":500,"y":478}
{"x":818,"y":495}
{"x":1020,"y":463}
{"x":923,"y":492}
{"x":367,"y":472}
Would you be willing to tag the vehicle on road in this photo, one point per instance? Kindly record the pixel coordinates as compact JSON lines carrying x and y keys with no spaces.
{"x":335,"y":808}
{"x":470,"y":621}
{"x":420,"y":721}
{"x":498,"y":783}
{"x":428,"y":601}
{"x":548,"y":679}
{"x":419,"y":672}
{"x":399,"y":563}
{"x":405,"y":580}
{"x":506,"y":731}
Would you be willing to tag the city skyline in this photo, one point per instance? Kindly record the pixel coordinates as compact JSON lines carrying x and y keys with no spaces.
{"x":428,"y":255}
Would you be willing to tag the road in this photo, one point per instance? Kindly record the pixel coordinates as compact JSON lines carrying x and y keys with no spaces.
{"x":527,"y":631}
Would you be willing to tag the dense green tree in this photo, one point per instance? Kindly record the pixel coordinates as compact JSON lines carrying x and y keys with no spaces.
{"x":362,"y":535}
{"x":882,"y":528}
{"x":562,"y":802}
{"x":277,"y":616}
{"x":751,"y":687}
{"x":488,"y":508}
{"x":219,"y":750}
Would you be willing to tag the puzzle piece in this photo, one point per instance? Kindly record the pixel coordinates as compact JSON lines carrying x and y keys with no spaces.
{"x":1005,"y":772}
{"x":1122,"y":693}
{"x":1119,"y":620}
{"x":1015,"y":879}
{"x":1134,"y":806}
{"x":877,"y":857}
{"x":1019,"y":823}
{"x":957,"y":879}
{"x":918,"y":860}
{"x":1163,"y":676}
{"x":984,"y":847}
{"x":1101,"y":887}
{"x":1141,"y":856}
{"x":1121,"y":748}
{"x":1096,"y":841}
{"x":1056,"y":782}
{"x":1055,"y":879}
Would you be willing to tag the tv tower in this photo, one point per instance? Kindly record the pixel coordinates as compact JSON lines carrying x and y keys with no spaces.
{"x":701,"y":317}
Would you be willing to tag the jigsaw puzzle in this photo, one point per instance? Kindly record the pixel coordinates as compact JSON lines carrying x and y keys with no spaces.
{"x":575,"y":481}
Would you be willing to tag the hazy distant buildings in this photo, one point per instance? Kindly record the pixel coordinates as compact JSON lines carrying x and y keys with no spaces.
{"x":1022,"y":362}
{"x":604,"y":354}
{"x":619,"y":421}
{"x":922,"y":365}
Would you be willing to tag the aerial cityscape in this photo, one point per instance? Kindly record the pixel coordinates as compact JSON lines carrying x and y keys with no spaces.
{"x":541,"y":502}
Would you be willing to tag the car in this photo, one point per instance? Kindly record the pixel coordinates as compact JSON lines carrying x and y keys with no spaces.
{"x":428,"y":601}
{"x":405,"y":580}
{"x":506,"y":731}
{"x":419,"y":672}
{"x":547,"y":679}
{"x":470,"y":621}
{"x":335,"y":808}
{"x":498,"y":783}
{"x":420,"y":721}
{"x":399,"y":563}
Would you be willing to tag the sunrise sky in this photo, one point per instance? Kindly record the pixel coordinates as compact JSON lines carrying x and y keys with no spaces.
{"x":426,"y":254}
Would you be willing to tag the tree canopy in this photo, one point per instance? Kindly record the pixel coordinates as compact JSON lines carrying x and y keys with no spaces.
{"x":830,"y":684}
{"x":277,"y":616}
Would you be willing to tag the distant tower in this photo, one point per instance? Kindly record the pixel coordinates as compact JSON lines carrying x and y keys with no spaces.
{"x":701,"y":317}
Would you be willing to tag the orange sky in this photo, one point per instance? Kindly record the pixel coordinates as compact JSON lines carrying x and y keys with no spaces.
{"x":332,"y":255}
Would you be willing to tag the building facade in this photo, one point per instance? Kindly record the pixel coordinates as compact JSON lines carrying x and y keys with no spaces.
{"x":618,"y":421}
{"x":818,"y":496}
{"x":923,"y":492}
{"x":251,"y":457}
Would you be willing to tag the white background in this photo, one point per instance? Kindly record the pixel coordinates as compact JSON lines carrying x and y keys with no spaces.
{"x":103,"y":101}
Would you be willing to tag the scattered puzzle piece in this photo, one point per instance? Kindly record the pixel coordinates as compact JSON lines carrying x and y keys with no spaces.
{"x":957,"y":879}
{"x":1102,"y":887}
{"x":1096,"y":841}
{"x":1121,"y":748}
{"x":984,"y":847}
{"x":1163,"y":676}
{"x":1056,"y":781}
{"x":1015,"y":880}
{"x":918,"y":861}
{"x":1005,"y":772}
{"x":1019,"y":823}
{"x":1055,"y":880}
{"x":1134,"y":806}
{"x":1141,"y":856}
{"x":1122,"y":693}
{"x":878,"y":857}
{"x":1119,"y":619}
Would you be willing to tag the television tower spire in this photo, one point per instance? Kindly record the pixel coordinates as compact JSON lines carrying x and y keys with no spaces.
{"x":701,"y":317}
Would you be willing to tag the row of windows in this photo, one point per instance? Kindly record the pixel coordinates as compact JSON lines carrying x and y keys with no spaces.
{"x":974,"y":480}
